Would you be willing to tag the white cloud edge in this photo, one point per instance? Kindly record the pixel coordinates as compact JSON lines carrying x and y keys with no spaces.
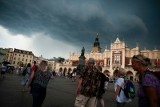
{"x":38,"y":43}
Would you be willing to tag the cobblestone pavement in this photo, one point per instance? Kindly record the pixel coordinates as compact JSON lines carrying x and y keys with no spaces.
{"x":60,"y":93}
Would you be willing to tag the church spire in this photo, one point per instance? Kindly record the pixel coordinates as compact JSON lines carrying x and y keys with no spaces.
{"x":96,"y":45}
{"x":96,"y":42}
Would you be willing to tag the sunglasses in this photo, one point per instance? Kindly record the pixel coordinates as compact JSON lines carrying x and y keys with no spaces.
{"x":144,"y":60}
{"x":140,"y":57}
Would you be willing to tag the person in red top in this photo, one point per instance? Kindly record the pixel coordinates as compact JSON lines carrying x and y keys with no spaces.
{"x":34,"y":66}
{"x":33,"y":69}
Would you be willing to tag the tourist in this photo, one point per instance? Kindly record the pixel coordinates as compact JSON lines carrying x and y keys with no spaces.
{"x":3,"y":70}
{"x":74,"y":75}
{"x":119,"y":95}
{"x":149,"y":85}
{"x":102,"y":87}
{"x":107,"y":79}
{"x":88,"y":85}
{"x":40,"y":80}
{"x":35,"y":66}
{"x":25,"y":79}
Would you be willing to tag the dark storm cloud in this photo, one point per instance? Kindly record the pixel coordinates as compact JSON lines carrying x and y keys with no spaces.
{"x":77,"y":22}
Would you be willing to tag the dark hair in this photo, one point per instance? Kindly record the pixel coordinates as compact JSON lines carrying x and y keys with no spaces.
{"x":43,"y":63}
{"x":29,"y":65}
{"x":100,"y":68}
{"x":34,"y":62}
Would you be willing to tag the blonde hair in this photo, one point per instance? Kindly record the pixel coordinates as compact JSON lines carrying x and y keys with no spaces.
{"x":122,"y":71}
{"x":143,"y":59}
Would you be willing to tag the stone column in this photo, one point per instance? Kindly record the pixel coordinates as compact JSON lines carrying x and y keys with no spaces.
{"x":81,"y":64}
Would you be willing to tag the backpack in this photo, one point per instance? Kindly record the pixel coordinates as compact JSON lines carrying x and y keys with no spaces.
{"x":129,"y":89}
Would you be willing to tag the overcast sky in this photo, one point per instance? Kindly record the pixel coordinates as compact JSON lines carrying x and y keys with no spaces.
{"x":56,"y":28}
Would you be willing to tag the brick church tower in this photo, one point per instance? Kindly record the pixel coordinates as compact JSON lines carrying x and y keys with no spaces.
{"x":96,"y":46}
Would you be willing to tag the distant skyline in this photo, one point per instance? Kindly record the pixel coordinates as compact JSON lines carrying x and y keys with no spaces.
{"x":56,"y":28}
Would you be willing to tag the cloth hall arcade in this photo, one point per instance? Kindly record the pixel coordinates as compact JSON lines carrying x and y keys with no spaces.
{"x":119,"y":55}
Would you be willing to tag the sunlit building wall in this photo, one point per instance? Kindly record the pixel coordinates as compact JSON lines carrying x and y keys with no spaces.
{"x":118,"y":55}
{"x":18,"y":57}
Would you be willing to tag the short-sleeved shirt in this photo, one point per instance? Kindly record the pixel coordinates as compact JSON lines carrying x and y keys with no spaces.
{"x":102,"y":85}
{"x":103,"y":80}
{"x":91,"y":82}
{"x":34,"y":67}
{"x":121,"y":98}
{"x":42,"y":78}
{"x":151,"y":81}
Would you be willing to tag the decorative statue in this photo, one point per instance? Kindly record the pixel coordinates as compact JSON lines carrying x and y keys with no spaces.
{"x":81,"y":61}
{"x":82,"y":52}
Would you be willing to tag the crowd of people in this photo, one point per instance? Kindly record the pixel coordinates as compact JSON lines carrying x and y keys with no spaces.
{"x":92,"y":83}
{"x":90,"y":90}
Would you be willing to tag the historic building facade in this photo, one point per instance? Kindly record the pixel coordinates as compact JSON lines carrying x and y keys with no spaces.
{"x":3,"y":54}
{"x":18,"y":57}
{"x":119,"y":55}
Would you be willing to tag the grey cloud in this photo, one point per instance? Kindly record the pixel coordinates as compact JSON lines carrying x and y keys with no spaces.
{"x":77,"y":22}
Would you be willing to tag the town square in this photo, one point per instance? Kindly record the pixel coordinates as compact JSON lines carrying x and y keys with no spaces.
{"x":79,"y":53}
